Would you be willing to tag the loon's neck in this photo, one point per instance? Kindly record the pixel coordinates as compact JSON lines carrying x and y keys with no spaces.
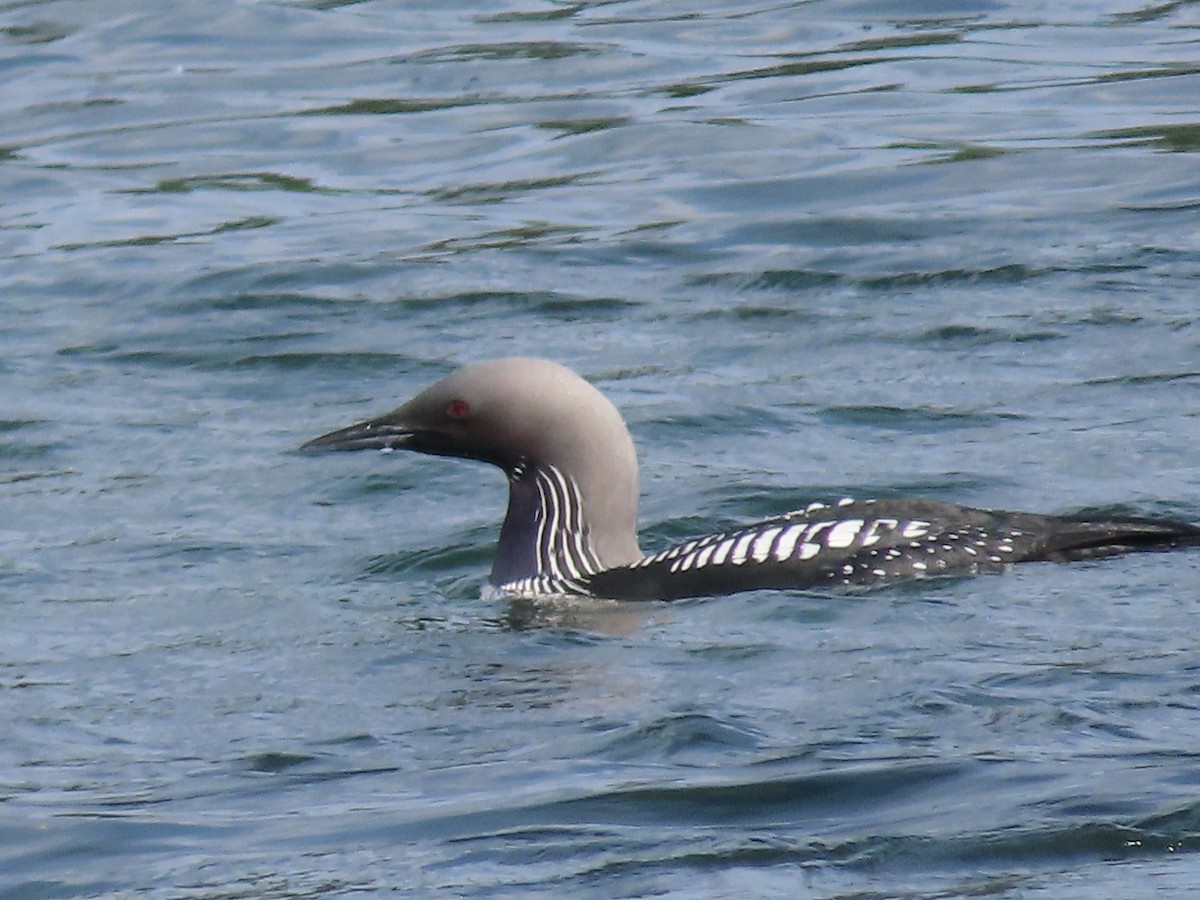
{"x":550,"y":533}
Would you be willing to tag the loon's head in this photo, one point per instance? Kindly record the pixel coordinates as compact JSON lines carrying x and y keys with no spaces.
{"x":524,"y":415}
{"x":509,"y":412}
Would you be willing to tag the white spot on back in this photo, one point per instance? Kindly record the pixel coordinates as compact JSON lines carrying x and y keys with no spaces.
{"x":722,"y":551}
{"x":741,"y":548}
{"x":762,"y":544}
{"x":873,"y":533}
{"x":815,"y":529}
{"x":843,"y":533}
{"x":787,"y":542}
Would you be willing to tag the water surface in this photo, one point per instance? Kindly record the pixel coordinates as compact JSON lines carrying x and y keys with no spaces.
{"x":810,"y":249}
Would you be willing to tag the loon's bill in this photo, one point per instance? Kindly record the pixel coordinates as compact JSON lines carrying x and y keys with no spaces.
{"x":571,"y":523}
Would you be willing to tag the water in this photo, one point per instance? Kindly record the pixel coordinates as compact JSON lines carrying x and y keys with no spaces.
{"x":946,"y":249}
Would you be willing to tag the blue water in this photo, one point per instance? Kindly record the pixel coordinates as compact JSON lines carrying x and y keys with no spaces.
{"x":947,"y":249}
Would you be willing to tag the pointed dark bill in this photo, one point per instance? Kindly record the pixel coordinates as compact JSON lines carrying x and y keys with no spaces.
{"x":377,"y":434}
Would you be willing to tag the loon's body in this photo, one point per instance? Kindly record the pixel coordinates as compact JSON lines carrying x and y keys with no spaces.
{"x":571,"y":524}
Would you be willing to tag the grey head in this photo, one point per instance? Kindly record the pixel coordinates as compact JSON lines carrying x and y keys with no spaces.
{"x":570,"y":461}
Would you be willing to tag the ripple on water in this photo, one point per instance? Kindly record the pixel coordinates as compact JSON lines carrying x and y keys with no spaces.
{"x":686,"y":736}
{"x":811,"y":249}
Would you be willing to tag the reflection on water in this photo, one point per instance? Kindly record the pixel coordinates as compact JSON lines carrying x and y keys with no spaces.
{"x":607,"y":617}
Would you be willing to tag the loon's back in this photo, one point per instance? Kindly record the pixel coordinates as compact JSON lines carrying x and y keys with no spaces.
{"x":870,"y":542}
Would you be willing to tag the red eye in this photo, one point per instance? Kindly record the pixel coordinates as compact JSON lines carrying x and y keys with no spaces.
{"x":456,"y":409}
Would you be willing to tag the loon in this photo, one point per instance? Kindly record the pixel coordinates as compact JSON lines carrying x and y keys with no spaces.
{"x":571,"y":523}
